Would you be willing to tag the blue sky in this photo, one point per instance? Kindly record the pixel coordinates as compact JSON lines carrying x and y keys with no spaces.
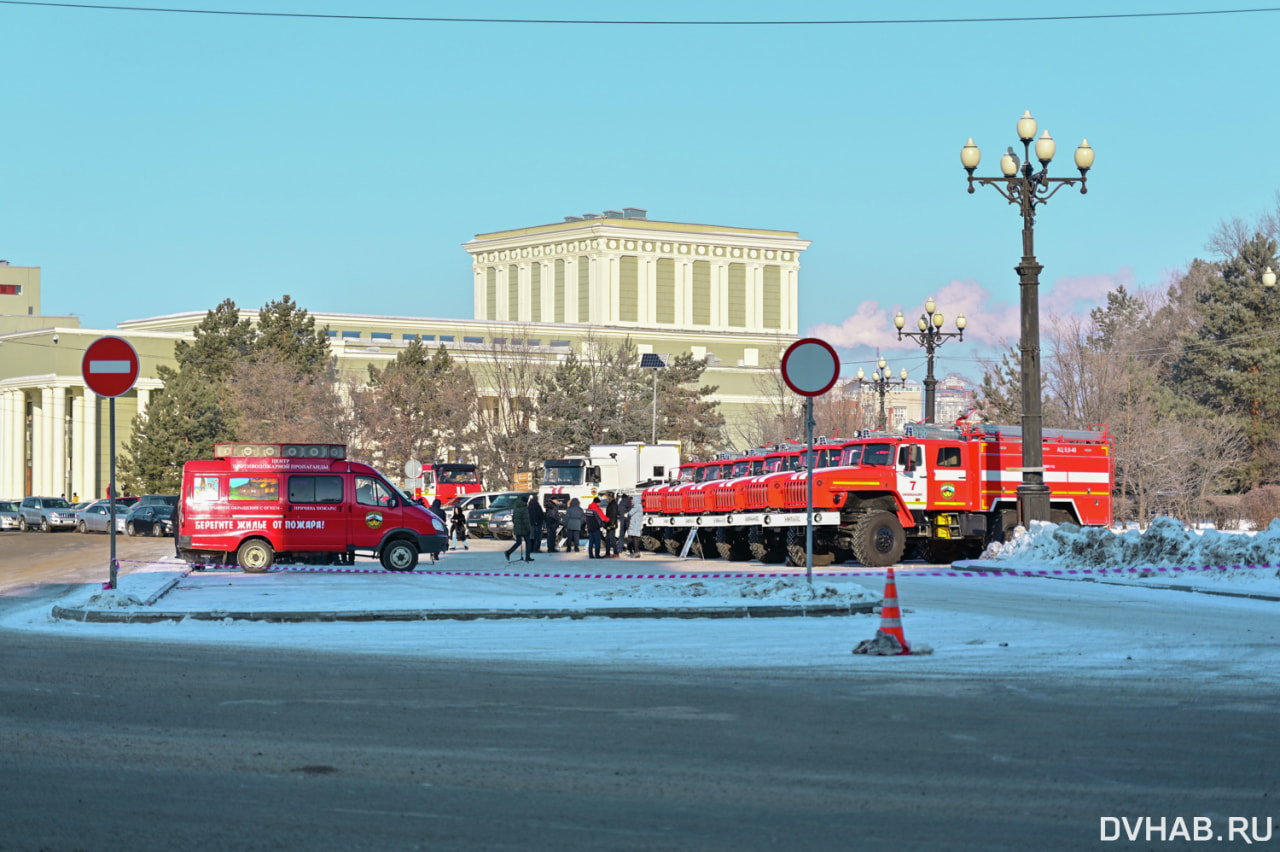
{"x":156,"y":163}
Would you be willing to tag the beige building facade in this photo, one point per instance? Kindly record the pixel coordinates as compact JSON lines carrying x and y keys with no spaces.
{"x":724,"y":294}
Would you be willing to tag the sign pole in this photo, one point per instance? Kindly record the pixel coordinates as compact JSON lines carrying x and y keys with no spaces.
{"x":808,"y":523}
{"x":110,"y":368}
{"x":111,"y":489}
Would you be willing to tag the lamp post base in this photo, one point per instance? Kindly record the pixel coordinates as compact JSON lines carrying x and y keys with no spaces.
{"x":1033,"y":503}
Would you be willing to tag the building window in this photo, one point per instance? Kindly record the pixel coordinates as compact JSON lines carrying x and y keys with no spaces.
{"x":10,"y":289}
{"x":558,"y":292}
{"x":333,"y":333}
{"x":513,"y":292}
{"x":351,"y":334}
{"x":470,"y":339}
{"x":431,"y":337}
{"x":737,"y":295}
{"x":561,"y":343}
{"x":628,"y":288}
{"x":665,"y":305}
{"x":444,"y":338}
{"x":408,"y":337}
{"x":535,"y":293}
{"x":533,"y":341}
{"x":701,"y":292}
{"x":499,"y":341}
{"x":772,"y":314}
{"x":381,"y":335}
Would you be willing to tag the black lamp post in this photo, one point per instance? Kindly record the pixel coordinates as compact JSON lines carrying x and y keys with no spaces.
{"x":930,"y":336}
{"x":1028,"y":189}
{"x":881,"y":379}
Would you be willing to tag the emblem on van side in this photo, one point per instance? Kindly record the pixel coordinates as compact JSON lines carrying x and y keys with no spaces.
{"x":373,"y":520}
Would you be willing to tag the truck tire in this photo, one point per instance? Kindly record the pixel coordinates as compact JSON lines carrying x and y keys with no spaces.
{"x":732,"y":544}
{"x":255,"y":556}
{"x":400,"y":555}
{"x":671,"y":542}
{"x":767,"y":545}
{"x":878,"y":539}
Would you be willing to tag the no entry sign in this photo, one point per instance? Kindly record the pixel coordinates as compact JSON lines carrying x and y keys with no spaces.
{"x":110,"y":366}
{"x":810,"y":366}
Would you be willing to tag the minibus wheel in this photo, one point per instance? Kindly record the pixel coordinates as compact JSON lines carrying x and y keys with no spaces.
{"x":255,"y":556}
{"x":400,"y":555}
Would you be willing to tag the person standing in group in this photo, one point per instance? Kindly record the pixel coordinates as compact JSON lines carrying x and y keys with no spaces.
{"x":635,"y":527}
{"x":458,"y":526}
{"x":610,"y":528}
{"x":535,"y":521}
{"x":595,"y":525}
{"x":521,"y":528}
{"x":551,"y":519}
{"x":573,"y":518}
{"x":437,"y":508}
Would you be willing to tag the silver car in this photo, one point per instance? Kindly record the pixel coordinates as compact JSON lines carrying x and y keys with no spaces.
{"x":45,"y":514}
{"x":97,"y":517}
{"x":9,"y":514}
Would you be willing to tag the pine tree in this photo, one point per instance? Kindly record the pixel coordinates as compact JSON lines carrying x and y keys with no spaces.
{"x":685,"y":411}
{"x":1229,"y":360}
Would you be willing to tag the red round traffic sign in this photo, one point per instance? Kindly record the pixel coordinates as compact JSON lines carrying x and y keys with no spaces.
{"x":810,"y":366}
{"x":110,"y":366}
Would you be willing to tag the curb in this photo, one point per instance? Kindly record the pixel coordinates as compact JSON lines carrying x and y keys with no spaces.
{"x":102,"y":616}
{"x":1168,"y":587}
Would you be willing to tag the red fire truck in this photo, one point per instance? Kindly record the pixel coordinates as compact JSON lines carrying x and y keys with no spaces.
{"x":449,"y":481}
{"x":948,"y":491}
{"x":255,"y":503}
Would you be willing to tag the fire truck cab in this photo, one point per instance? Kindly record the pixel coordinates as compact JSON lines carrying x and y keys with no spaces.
{"x":256,"y":503}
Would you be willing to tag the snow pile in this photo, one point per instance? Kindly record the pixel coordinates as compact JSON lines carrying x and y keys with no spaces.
{"x":778,"y":590}
{"x":113,"y":599}
{"x":1164,"y":543}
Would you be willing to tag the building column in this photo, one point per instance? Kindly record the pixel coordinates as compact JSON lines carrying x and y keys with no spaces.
{"x":648,"y":290}
{"x":76,"y":460}
{"x":144,"y":399}
{"x":684,"y":293}
{"x":18,"y":447}
{"x":571,"y":290}
{"x":8,"y":464}
{"x":479,"y":291}
{"x":89,"y":471}
{"x":58,"y":436}
{"x":790,"y":301}
{"x":719,"y":294}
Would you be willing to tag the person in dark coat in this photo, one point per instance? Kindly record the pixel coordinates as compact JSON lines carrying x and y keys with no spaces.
{"x":610,"y":528}
{"x":595,"y":525}
{"x":458,"y":526}
{"x":551,"y":520}
{"x":573,"y":520}
{"x":522,"y":529}
{"x":535,"y":521}
{"x":437,"y":509}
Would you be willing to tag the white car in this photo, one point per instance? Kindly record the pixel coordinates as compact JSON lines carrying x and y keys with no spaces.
{"x":9,"y":514}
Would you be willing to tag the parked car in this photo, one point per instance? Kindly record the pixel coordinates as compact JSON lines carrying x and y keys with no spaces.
{"x":500,"y":524}
{"x":45,"y":514}
{"x":158,"y":500}
{"x":478,"y":519}
{"x":9,"y":514}
{"x":154,"y":519}
{"x":97,"y":516}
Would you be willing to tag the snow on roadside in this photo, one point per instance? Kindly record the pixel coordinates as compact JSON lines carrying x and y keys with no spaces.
{"x":1164,"y":552}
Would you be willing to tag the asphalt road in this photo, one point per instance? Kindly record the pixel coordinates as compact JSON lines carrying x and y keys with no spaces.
{"x":42,"y":565}
{"x":121,"y":746}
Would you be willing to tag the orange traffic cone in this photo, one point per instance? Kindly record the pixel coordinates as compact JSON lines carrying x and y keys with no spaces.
{"x":890,"y":615}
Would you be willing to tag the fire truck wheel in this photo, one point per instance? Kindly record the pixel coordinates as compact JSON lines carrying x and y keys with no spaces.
{"x":767,"y":546}
{"x":255,"y":556}
{"x":732,"y":544}
{"x":878,"y":539}
{"x":400,"y":555}
{"x":670,"y":543}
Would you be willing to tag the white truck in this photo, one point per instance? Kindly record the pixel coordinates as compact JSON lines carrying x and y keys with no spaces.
{"x":608,"y":467}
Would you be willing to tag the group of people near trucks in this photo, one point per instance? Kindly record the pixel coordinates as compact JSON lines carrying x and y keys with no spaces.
{"x":606,"y":521}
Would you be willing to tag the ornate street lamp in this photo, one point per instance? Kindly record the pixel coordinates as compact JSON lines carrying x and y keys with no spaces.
{"x":1269,"y":278}
{"x":880,"y":381}
{"x":1028,"y":189}
{"x":930,"y":336}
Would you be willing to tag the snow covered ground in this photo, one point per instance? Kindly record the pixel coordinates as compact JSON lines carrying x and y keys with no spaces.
{"x":1100,"y":624}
